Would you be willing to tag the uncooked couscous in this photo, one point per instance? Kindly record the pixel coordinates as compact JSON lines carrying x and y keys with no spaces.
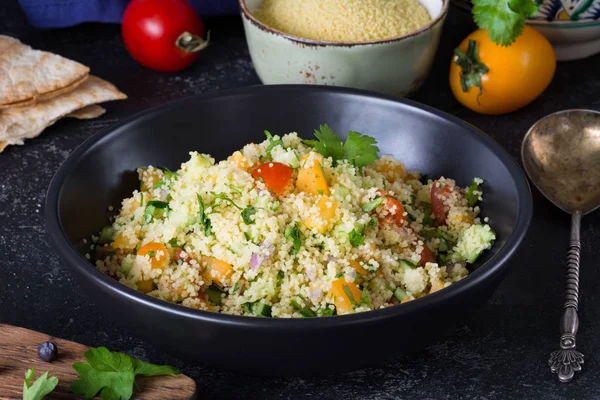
{"x":293,"y":228}
{"x":350,"y":21}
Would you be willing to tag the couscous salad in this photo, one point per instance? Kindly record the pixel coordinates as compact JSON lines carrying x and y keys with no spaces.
{"x":293,"y":228}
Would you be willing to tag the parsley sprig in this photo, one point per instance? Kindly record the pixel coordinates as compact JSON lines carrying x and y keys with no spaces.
{"x":503,"y":19}
{"x":40,"y":387}
{"x":360,"y":150}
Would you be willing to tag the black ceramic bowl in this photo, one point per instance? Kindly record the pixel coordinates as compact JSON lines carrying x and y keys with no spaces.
{"x":101,"y":173}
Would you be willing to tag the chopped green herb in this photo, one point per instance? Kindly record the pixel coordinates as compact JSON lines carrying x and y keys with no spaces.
{"x":364,"y":298}
{"x":292,"y":233}
{"x":356,"y":237}
{"x":373,"y":204}
{"x":261,"y":179}
{"x":430,"y":233}
{"x":215,"y":294}
{"x":174,"y":244}
{"x":280,"y":276}
{"x":247,"y":214}
{"x":236,"y":287}
{"x":152,"y":210}
{"x":328,"y":144}
{"x":473,"y":193}
{"x":349,"y":295}
{"x":202,"y":218}
{"x":304,"y":311}
{"x":339,"y":275}
{"x":223,"y":197}
{"x":428,"y":220}
{"x":235,"y":189}
{"x":40,"y":387}
{"x":320,"y":191}
{"x":112,"y":374}
{"x":326,"y":312}
{"x":275,"y":205}
{"x":151,"y":253}
{"x":272,"y":142}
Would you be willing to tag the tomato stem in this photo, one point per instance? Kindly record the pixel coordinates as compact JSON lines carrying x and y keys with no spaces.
{"x":471,"y":67}
{"x":191,"y":43}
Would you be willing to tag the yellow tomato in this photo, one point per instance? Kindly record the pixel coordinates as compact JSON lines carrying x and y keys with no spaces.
{"x":510,"y":76}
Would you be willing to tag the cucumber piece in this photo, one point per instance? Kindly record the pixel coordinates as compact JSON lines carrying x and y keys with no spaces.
{"x":430,"y":233}
{"x":400,"y":294}
{"x":473,"y":241}
{"x":405,"y":264}
{"x":262,"y":310}
{"x":127,"y":265}
{"x":214,"y":294}
{"x":107,"y":235}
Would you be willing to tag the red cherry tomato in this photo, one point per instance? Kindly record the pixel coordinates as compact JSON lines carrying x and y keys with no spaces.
{"x":163,"y":35}
{"x":394,"y":211}
{"x":276,"y":176}
{"x":437,"y":196}
{"x":426,"y":256}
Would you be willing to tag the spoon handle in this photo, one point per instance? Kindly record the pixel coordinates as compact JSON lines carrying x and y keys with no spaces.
{"x":566,"y":361}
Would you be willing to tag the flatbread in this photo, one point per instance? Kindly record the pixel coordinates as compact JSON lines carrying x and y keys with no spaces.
{"x":29,"y":76}
{"x":88,"y":112}
{"x":18,"y":124}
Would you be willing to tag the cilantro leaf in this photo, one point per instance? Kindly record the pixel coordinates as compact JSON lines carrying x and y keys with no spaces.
{"x":112,"y":374}
{"x":223,"y":197}
{"x":151,"y":210}
{"x":329,"y":144}
{"x":503,"y":19}
{"x":373,"y":204}
{"x":40,"y":388}
{"x":360,"y":150}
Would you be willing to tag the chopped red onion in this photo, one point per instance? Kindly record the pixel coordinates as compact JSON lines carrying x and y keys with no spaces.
{"x":257,"y":259}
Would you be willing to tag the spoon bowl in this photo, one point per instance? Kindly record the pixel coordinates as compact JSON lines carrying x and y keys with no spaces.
{"x":561,"y":155}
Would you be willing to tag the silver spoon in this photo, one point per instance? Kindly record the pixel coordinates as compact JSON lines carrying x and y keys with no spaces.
{"x":561,"y":155}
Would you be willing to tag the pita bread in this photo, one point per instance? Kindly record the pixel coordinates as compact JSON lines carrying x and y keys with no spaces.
{"x":18,"y":124}
{"x":88,"y":112}
{"x":28,"y":76}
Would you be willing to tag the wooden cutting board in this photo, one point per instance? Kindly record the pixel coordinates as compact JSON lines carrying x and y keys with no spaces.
{"x":18,"y":352}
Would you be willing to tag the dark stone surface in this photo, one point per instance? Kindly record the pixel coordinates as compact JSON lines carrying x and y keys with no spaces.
{"x":501,"y":352}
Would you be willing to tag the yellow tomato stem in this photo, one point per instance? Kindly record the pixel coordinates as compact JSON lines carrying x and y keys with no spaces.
{"x":471,"y":67}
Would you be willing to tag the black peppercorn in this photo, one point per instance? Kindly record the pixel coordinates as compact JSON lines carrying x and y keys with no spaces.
{"x":48,"y":351}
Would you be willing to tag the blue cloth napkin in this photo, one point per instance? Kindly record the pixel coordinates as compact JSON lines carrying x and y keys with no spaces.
{"x":63,"y":13}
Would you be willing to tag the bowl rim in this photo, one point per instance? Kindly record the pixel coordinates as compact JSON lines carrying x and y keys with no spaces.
{"x":323,"y":43}
{"x":491,"y":268}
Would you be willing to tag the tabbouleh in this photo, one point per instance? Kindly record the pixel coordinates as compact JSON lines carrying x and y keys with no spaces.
{"x":293,"y":228}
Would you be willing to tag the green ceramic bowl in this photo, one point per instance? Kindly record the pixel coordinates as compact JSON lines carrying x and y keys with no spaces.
{"x":396,"y":66}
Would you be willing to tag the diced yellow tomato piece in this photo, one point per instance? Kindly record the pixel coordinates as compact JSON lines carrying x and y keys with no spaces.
{"x":311,"y":178}
{"x":342,"y":301}
{"x":159,"y":256}
{"x":436,"y":285}
{"x":149,"y":178}
{"x":123,"y":242}
{"x":238,"y":160}
{"x":145,"y":286}
{"x":216,"y":270}
{"x":326,"y":207}
{"x":405,"y":300}
{"x":359,"y":268}
{"x":390,"y":168}
{"x":459,"y":219}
